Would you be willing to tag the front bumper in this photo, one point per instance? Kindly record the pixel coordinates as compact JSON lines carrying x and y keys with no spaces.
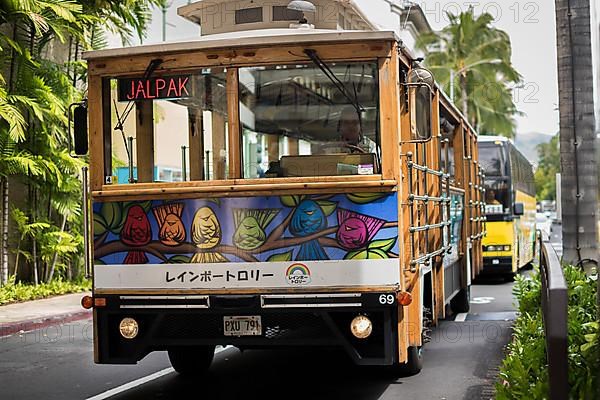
{"x":287,"y":320}
{"x":496,"y":265}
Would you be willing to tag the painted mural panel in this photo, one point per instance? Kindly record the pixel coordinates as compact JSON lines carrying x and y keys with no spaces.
{"x":247,"y":229}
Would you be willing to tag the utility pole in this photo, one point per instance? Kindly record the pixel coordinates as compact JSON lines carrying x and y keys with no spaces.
{"x":578,"y":142}
{"x":164,"y":10}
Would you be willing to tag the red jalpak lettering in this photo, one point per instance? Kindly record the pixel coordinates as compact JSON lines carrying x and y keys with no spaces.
{"x":172,"y":87}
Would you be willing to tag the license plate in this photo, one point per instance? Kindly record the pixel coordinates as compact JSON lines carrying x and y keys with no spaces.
{"x":242,"y":326}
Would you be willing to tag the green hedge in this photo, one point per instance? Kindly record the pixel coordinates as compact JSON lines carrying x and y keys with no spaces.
{"x":16,"y":292}
{"x":524,"y":371}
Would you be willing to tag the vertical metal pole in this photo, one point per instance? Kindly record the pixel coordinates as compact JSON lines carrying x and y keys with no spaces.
{"x":448,"y":197}
{"x":206,"y":169}
{"x":425,"y":205}
{"x":130,"y":144}
{"x":452,"y":85}
{"x":164,"y":23}
{"x":183,"y":164}
{"x":86,"y":222}
{"x":411,"y":203}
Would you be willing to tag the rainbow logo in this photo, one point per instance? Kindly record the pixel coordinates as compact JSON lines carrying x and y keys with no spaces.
{"x":297,"y":274}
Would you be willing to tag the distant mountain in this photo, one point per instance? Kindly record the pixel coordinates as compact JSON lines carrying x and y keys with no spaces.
{"x":527,"y":142}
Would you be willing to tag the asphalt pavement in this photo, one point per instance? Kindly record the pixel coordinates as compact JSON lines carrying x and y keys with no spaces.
{"x":461,"y":361}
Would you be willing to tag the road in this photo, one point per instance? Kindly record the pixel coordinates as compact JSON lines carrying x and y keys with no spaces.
{"x":460,"y":363}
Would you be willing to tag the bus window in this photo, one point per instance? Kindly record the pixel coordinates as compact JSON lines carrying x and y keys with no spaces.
{"x":169,"y":128}
{"x":493,"y":160}
{"x":296,"y":121}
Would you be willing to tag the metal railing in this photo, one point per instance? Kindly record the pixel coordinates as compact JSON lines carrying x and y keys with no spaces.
{"x":421,"y":174}
{"x":554,"y":312}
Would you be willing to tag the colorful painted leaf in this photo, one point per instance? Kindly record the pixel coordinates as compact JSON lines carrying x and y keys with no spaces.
{"x":369,"y":254}
{"x":99,"y":225}
{"x":291,"y":201}
{"x":384,"y":244}
{"x":356,"y":255}
{"x":179,"y":259}
{"x":112,"y":214}
{"x":287,"y":256}
{"x":217,"y":201}
{"x":328,"y":207}
{"x":98,"y":261}
{"x":377,"y":254}
{"x":364,"y":198}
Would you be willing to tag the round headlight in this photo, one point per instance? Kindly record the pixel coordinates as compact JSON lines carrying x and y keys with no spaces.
{"x":128,"y":327}
{"x":361,"y":327}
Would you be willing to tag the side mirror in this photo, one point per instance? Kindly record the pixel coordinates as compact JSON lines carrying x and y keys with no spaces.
{"x":80,"y":128}
{"x":420,"y":85}
{"x":518,"y":209}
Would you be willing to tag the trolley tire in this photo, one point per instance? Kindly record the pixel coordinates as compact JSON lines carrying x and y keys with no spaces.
{"x":191,"y":361}
{"x":461,"y":303}
{"x":414,"y":363}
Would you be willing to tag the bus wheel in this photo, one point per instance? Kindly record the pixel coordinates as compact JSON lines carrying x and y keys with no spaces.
{"x":510,"y":277}
{"x":461,"y":303}
{"x":191,"y":361}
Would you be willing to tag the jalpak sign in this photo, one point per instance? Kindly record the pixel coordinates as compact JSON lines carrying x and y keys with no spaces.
{"x":164,"y":87}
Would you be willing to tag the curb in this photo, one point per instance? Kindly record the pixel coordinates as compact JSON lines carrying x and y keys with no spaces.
{"x":10,"y":328}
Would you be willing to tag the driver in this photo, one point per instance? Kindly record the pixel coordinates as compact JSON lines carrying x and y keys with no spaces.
{"x":350,"y":139}
{"x":349,"y":127}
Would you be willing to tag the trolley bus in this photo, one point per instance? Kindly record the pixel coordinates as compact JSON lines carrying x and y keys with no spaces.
{"x":510,"y":207}
{"x":283,"y":187}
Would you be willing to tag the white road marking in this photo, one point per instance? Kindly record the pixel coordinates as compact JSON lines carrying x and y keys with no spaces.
{"x":482,"y":300}
{"x":138,"y":382}
{"x":461,"y":317}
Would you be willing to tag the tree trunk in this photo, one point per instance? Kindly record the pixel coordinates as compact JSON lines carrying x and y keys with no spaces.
{"x":55,"y":258}
{"x":35,"y":264}
{"x":579,"y":184}
{"x":464,"y":95}
{"x":4,"y":219}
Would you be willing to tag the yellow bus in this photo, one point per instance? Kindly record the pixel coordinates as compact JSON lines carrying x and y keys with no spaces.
{"x":288,"y":187}
{"x":510,"y":206}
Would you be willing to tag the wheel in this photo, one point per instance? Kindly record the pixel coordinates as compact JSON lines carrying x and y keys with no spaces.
{"x":414,"y":364}
{"x":461,"y":303}
{"x":528,"y":266}
{"x":191,"y":361}
{"x":509,"y":276}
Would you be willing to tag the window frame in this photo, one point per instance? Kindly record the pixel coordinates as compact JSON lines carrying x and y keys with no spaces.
{"x":102,"y":71}
{"x":377,"y":123}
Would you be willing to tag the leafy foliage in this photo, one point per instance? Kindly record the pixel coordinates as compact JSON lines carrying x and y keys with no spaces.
{"x":524,"y":372}
{"x":478,"y":56}
{"x":14,"y":292}
{"x":548,"y":167}
{"x":38,"y":81}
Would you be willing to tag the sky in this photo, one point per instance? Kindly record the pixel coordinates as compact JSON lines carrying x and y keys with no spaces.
{"x":530,"y":25}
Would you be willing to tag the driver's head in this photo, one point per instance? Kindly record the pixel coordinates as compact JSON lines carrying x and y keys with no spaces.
{"x":349,"y":126}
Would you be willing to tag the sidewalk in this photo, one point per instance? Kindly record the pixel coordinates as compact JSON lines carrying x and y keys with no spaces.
{"x":39,"y":314}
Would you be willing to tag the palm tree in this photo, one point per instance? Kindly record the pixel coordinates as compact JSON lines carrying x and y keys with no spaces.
{"x":35,"y":91}
{"x":478,"y":56}
{"x":578,"y":142}
{"x":12,"y":162}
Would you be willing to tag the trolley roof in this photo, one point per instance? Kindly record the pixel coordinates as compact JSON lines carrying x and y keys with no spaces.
{"x":492,"y":138}
{"x":253,"y":38}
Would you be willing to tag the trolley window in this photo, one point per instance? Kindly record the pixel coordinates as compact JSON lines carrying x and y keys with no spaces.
{"x":303,"y":120}
{"x":169,"y":128}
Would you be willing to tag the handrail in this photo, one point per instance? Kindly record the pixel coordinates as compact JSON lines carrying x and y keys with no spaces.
{"x":554,"y":312}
